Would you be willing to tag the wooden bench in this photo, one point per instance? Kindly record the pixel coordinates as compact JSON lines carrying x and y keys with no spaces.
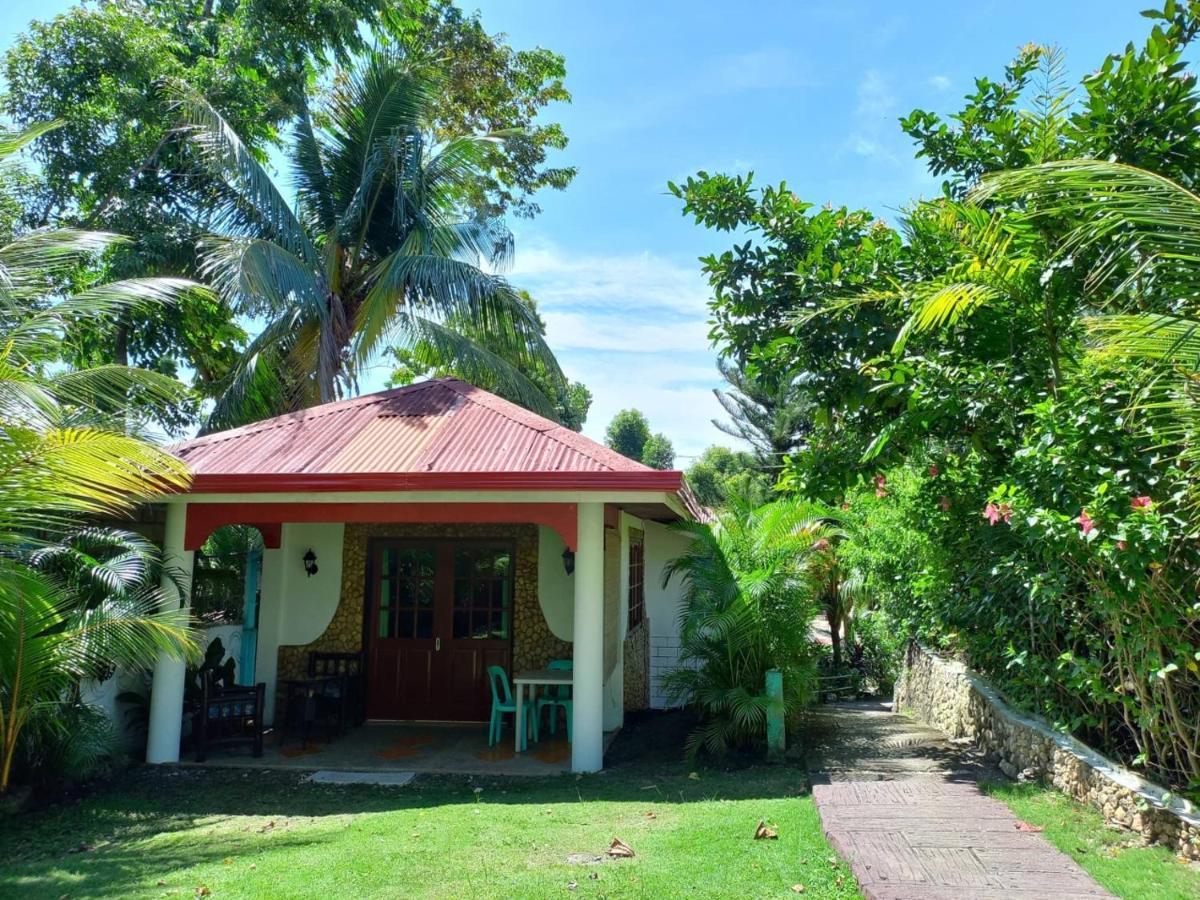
{"x":838,"y":687}
{"x":228,"y":715}
{"x":349,"y":694}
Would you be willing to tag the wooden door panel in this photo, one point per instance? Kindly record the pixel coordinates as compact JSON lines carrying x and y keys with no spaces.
{"x":417,"y":689}
{"x":438,"y":616}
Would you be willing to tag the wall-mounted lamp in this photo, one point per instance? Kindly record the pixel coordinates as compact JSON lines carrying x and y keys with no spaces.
{"x":310,"y":563}
{"x":569,"y":560}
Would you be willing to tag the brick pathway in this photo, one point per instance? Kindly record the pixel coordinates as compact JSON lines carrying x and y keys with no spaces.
{"x":899,"y":801}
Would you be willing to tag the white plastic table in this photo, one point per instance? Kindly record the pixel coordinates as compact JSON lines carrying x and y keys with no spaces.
{"x":533,"y":678}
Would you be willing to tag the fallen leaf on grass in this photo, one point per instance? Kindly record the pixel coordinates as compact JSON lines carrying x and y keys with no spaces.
{"x":571,"y":885}
{"x":1025,"y":826}
{"x":651,"y":815}
{"x":618,"y":848}
{"x":161,"y":883}
{"x":797,"y":889}
{"x":763,"y":833}
{"x":203,"y":891}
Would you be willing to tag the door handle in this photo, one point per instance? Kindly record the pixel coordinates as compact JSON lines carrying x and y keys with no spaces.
{"x":437,"y":645}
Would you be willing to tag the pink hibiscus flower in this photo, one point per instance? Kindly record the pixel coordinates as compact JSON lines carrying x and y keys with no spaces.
{"x":1086,"y":523}
{"x":1141,"y":503}
{"x":933,"y":471}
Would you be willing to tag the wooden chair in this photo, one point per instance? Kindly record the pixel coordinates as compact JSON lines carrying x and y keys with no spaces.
{"x":230,"y":715}
{"x":345,"y":698}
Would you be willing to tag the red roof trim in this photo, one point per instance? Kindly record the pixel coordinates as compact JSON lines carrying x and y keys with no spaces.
{"x":205,"y":518}
{"x":649,"y":480}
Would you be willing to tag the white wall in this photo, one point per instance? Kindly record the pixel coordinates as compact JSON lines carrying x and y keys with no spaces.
{"x":556,"y":589}
{"x":662,"y":606}
{"x":296,"y":608}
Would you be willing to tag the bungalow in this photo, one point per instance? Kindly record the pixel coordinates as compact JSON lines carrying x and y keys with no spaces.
{"x":437,"y":529}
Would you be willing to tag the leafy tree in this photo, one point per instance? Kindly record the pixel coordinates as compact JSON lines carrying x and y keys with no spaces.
{"x":770,"y":413}
{"x":658,"y":452}
{"x":721,"y":474}
{"x":116,"y":163}
{"x":628,"y":433}
{"x":487,"y":88}
{"x":378,"y":252}
{"x":119,"y":163}
{"x":1139,"y":107}
{"x":797,"y":262}
{"x":571,"y":400}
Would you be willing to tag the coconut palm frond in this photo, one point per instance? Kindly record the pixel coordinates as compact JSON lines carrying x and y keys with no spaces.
{"x":257,"y":208}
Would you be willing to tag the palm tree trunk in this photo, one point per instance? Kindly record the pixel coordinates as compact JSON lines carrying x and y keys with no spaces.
{"x":835,"y":637}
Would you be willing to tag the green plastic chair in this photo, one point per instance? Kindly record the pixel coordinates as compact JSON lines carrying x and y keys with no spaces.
{"x":503,"y":702}
{"x":556,"y":697}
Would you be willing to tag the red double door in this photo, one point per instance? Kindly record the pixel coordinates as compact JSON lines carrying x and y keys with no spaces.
{"x":438,"y":614}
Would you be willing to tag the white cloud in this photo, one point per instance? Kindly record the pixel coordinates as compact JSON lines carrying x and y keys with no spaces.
{"x":601,"y":331}
{"x":636,"y":281}
{"x":875,"y":98}
{"x":940,"y":83}
{"x":633,"y":328}
{"x":874,"y":133}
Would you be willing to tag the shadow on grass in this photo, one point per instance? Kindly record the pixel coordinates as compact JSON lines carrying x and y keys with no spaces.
{"x":98,"y":844}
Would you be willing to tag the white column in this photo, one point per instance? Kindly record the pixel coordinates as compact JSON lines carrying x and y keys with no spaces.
{"x":270,"y":621}
{"x":587,"y":747}
{"x":166,"y":693}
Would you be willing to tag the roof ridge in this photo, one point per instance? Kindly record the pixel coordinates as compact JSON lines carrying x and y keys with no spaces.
{"x":556,"y":431}
{"x":302,"y":415}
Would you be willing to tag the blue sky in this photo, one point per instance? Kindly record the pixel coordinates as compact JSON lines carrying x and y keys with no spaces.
{"x":803,"y":92}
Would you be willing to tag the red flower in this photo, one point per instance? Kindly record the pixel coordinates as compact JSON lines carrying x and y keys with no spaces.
{"x":933,"y":471}
{"x":994,"y":513}
{"x":880,"y":490}
{"x":1121,"y":545}
{"x":944,"y":503}
{"x":1141,"y":503}
{"x":1086,"y":523}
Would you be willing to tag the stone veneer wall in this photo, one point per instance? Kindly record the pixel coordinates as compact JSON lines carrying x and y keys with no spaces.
{"x":950,"y":697}
{"x":637,"y":666}
{"x":533,"y":643}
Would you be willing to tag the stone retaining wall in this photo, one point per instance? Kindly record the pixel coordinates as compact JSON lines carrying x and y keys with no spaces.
{"x":950,"y":697}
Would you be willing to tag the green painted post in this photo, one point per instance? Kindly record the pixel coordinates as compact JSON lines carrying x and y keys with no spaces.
{"x":776,"y":733}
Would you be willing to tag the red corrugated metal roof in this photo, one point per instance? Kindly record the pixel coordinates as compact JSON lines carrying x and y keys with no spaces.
{"x":441,"y":426}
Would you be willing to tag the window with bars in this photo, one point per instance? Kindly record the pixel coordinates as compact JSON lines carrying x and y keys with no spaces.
{"x":637,"y":579}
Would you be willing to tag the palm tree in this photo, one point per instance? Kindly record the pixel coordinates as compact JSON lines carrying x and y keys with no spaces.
{"x":750,"y":594}
{"x":378,"y":250}
{"x":68,"y":451}
{"x":1143,"y":232}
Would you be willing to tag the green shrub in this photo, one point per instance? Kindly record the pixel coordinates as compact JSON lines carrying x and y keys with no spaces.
{"x":751,"y":581}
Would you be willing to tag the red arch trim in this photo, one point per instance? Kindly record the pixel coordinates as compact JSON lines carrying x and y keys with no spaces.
{"x":205,"y":518}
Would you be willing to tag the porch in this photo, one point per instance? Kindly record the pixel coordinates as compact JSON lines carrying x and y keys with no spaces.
{"x":381,"y":540}
{"x":422,"y":747}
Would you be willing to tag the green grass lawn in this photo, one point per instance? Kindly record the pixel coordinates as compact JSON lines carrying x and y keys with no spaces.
{"x":1116,"y":859}
{"x":188,"y":832}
